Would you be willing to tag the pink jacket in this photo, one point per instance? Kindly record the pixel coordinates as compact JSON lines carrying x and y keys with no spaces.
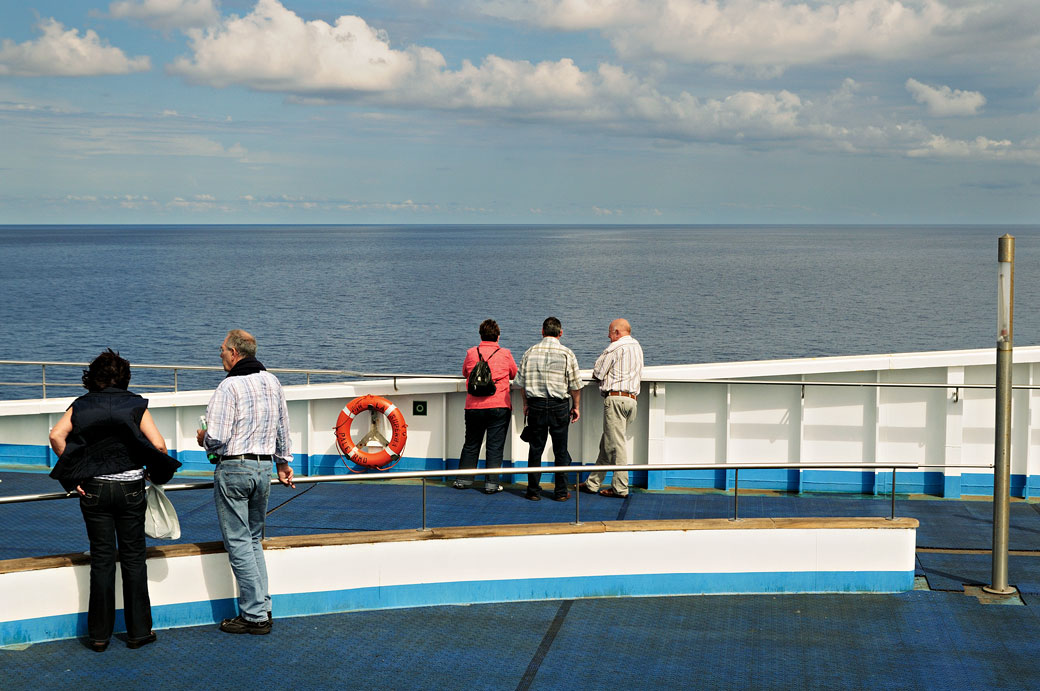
{"x":503,"y":369}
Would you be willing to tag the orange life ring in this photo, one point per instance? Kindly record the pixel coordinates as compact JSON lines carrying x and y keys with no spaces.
{"x":391,"y":450}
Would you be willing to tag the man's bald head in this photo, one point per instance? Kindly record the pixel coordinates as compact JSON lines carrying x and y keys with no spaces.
{"x":619,"y":328}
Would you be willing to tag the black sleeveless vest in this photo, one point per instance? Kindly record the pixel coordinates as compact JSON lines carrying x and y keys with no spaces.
{"x":106,"y":438}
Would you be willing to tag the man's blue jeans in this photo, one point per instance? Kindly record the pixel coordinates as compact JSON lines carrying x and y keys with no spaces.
{"x":240,"y":491}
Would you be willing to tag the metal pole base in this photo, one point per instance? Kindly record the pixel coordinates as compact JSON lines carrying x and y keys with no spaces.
{"x":1009,"y":590}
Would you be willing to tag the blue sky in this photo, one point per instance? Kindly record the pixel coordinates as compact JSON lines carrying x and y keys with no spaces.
{"x":503,"y":111}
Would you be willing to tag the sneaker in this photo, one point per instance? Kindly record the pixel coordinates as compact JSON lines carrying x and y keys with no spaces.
{"x":240,"y":625}
{"x":459,"y":484}
{"x":494,"y":489}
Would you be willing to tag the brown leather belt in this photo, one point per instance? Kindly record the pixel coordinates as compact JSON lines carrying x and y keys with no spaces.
{"x":623,"y":393}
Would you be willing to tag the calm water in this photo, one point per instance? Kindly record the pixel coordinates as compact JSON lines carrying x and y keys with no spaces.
{"x":409,"y":298}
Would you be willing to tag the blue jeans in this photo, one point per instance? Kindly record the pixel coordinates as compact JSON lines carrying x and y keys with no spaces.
{"x":114,"y":511}
{"x":240,"y":491}
{"x":548,"y":417}
{"x":493,"y":421}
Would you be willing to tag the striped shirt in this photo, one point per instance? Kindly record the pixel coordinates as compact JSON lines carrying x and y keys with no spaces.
{"x":620,"y":366}
{"x":248,"y":414}
{"x":549,"y":370}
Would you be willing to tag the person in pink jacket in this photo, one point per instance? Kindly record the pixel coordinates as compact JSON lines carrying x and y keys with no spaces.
{"x":487,"y":414}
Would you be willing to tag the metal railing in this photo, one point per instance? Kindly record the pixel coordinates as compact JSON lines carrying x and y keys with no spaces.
{"x":425,"y":475}
{"x":175,"y":370}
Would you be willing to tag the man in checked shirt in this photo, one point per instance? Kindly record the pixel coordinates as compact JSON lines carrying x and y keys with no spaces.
{"x":618,"y":371}
{"x":247,"y":427}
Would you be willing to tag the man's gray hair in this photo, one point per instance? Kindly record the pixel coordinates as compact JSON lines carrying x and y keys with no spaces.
{"x":242,"y":341}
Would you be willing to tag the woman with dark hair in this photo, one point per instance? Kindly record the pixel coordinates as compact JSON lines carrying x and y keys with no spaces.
{"x":103,"y":442}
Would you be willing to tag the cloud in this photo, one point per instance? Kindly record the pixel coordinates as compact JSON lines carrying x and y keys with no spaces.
{"x":273,"y":49}
{"x":943,"y":101}
{"x":167,"y":14}
{"x":64,"y":53}
{"x":980,"y":148}
{"x":774,"y":34}
{"x":318,"y":63}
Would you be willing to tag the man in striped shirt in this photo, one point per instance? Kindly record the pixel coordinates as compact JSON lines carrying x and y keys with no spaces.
{"x":550,"y":384}
{"x":247,"y":427}
{"x":618,"y":371}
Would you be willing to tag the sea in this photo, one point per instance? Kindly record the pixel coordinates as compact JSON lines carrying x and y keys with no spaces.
{"x":409,"y":298}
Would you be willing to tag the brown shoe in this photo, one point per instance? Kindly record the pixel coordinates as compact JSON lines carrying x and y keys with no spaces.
{"x":562,"y":497}
{"x":584,"y":487}
{"x":611,"y":492}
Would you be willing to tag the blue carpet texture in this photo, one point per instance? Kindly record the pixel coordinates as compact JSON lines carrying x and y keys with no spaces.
{"x":916,"y":640}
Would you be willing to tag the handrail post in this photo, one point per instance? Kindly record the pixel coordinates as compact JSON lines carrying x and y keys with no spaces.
{"x":577,"y":497}
{"x":893,"y":516}
{"x":175,"y":380}
{"x":424,"y":529}
{"x":43,"y":380}
{"x":736,"y":491}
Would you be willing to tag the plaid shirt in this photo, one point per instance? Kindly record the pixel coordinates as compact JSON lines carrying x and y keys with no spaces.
{"x":249,"y":415}
{"x":549,"y":370}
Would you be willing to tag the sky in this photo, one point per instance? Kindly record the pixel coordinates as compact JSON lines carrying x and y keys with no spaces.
{"x":514,"y":111}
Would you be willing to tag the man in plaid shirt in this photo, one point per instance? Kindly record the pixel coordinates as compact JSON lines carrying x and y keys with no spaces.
{"x":551,"y":386}
{"x":247,"y":427}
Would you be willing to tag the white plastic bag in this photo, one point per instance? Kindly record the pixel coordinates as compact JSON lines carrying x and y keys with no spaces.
{"x":160,"y":519}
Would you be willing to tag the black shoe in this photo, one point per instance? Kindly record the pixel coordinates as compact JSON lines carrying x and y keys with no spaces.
{"x":240,"y":625}
{"x":493,"y":490}
{"x":135,"y":643}
{"x":533,"y":495}
{"x":98,"y":646}
{"x":562,"y":497}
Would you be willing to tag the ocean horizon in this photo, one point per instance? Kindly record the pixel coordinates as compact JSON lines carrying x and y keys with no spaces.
{"x":409,"y":298}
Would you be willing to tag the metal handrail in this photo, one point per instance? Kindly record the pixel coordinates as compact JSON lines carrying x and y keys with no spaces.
{"x":174,"y":369}
{"x":424,"y":475}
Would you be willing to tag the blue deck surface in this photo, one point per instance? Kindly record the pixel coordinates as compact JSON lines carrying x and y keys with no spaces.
{"x":938,"y":638}
{"x":916,"y":640}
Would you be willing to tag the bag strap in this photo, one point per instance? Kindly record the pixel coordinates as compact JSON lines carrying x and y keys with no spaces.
{"x":489,"y":356}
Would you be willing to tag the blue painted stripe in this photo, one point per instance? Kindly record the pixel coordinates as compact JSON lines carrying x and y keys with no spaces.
{"x":472,"y":592}
{"x":31,"y":457}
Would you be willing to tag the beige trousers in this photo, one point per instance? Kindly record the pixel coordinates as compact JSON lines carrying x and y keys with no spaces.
{"x":618,"y":413}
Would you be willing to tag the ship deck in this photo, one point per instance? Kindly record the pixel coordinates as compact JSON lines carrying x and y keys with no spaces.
{"x":940,"y":635}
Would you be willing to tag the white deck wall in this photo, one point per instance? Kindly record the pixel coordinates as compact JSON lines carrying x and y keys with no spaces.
{"x":682,"y":421}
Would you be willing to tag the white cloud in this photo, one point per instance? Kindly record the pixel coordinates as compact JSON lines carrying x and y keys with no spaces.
{"x":64,"y":53}
{"x":273,"y":49}
{"x":943,"y":101}
{"x":772,"y":34}
{"x":167,"y":14}
{"x":980,"y":148}
{"x":315,"y":62}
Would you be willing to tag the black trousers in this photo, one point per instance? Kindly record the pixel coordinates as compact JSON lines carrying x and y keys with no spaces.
{"x":548,"y":417}
{"x":114,"y":515}
{"x":480,"y":421}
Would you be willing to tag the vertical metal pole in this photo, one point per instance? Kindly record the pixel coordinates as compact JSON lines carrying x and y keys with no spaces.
{"x":424,"y":505}
{"x":1002,"y":450}
{"x":736,"y":490}
{"x":175,"y":380}
{"x":44,"y":375}
{"x":892,"y":517}
{"x":577,"y":498}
